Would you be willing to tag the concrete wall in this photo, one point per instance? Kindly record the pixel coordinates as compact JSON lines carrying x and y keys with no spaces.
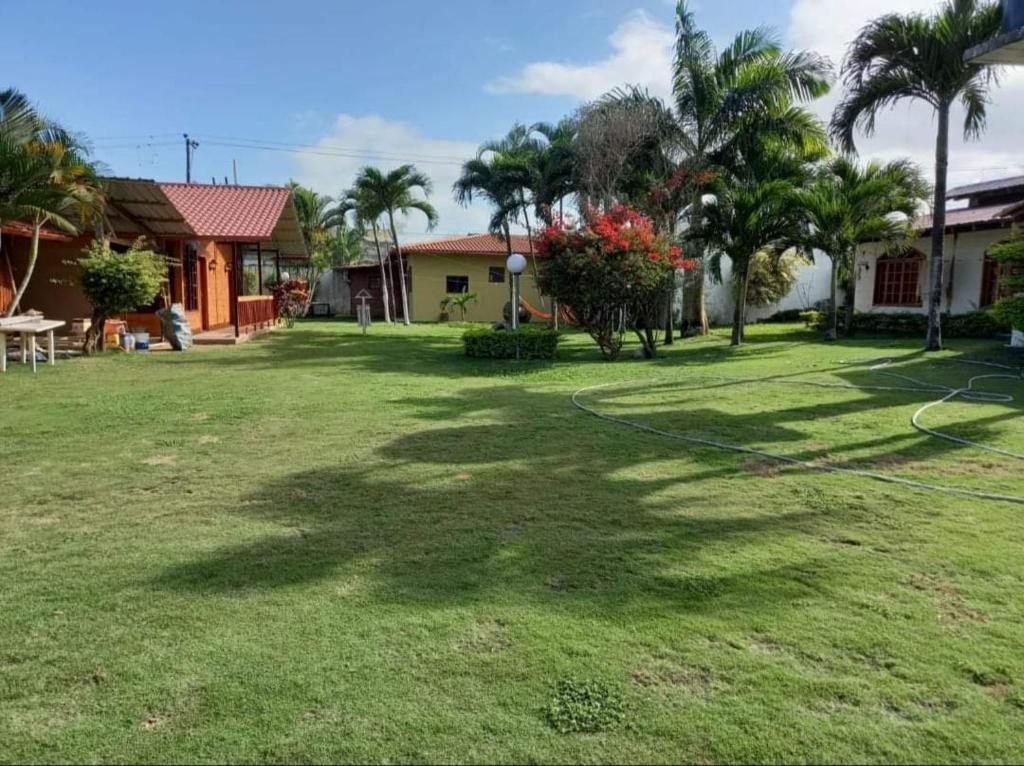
{"x":812,"y":285}
{"x":962,"y":266}
{"x":429,"y":272}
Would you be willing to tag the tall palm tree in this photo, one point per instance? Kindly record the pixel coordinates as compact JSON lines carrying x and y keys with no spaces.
{"x":514,"y":158}
{"x":847,"y":205}
{"x":391,"y":193}
{"x":367,"y":215}
{"x":717,"y":93}
{"x":919,"y":57}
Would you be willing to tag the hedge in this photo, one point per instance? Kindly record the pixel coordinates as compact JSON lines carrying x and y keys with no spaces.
{"x":533,"y":343}
{"x":973,"y":324}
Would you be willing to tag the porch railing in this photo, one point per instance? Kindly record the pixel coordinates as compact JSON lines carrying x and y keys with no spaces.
{"x":256,"y":310}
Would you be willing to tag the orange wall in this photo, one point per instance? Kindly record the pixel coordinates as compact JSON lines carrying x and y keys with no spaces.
{"x":52,"y":289}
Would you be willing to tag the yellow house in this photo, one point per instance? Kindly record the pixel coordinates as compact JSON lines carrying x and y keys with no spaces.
{"x":474,"y":263}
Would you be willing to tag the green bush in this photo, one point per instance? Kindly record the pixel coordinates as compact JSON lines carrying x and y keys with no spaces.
{"x":1010,"y":311}
{"x":532,"y":342}
{"x":584,"y":706}
{"x":813,"y":318}
{"x":973,"y":324}
{"x":786,"y":315}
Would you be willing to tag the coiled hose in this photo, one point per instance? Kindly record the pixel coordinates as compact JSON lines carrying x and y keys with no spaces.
{"x":968,"y":393}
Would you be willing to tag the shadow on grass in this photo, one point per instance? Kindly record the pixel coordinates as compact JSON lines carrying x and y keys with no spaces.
{"x":543,"y":503}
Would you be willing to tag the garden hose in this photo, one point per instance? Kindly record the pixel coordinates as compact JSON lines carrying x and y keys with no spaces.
{"x":968,"y":393}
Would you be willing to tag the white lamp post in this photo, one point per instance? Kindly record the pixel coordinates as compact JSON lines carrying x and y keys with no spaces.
{"x":516,"y":265}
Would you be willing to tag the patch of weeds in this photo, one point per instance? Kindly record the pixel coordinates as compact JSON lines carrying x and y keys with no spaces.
{"x":584,"y":706}
{"x":983,"y":676}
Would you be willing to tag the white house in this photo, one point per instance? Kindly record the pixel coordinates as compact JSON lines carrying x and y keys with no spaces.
{"x":981,"y":217}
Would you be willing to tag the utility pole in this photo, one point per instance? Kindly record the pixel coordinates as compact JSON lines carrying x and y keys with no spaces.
{"x":190,"y":146}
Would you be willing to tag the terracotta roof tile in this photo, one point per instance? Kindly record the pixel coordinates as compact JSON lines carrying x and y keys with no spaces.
{"x":471,"y":244}
{"x":239,"y":212}
{"x":20,"y":229}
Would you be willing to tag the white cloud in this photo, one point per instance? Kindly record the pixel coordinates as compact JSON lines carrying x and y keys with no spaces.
{"x":374,"y":140}
{"x":828,"y":26}
{"x":641,"y":55}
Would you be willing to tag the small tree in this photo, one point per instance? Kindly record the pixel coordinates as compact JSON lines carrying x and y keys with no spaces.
{"x":614,"y":274}
{"x":1010,"y":254}
{"x":117,"y":282}
{"x":460,"y":301}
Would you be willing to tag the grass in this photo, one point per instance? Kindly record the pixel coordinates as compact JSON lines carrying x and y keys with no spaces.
{"x":321,"y":546}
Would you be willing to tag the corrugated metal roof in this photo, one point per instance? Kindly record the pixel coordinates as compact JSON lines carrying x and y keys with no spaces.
{"x":971,"y":216}
{"x":471,"y":244}
{"x":238,"y":213}
{"x":982,"y":187}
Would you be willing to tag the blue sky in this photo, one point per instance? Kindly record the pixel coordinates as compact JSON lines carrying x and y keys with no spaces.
{"x":375,"y":82}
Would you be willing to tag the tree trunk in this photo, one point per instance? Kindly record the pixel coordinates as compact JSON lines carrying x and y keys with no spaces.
{"x":94,"y":335}
{"x":833,"y":309}
{"x":739,"y":316}
{"x":934,"y":340}
{"x":696,"y":315}
{"x":669,"y":338}
{"x":850,"y":301}
{"x":383,"y":276}
{"x":401,"y":270}
{"x":533,"y":257}
{"x":37,"y":225}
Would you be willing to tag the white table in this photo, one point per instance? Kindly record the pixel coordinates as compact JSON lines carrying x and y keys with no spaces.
{"x":28,"y":328}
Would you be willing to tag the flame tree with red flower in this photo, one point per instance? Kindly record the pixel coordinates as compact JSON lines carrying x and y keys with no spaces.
{"x":614,"y":272}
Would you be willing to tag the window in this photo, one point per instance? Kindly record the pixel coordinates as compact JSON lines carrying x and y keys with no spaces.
{"x":496,"y":274}
{"x":190,"y":266}
{"x":897,"y":280}
{"x":989,"y":282}
{"x":456,"y":284}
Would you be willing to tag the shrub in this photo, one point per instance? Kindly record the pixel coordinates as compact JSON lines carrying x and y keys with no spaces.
{"x":532,"y":342}
{"x":1010,"y":311}
{"x":614,"y":273}
{"x":117,"y":282}
{"x":813,"y":318}
{"x":584,"y":706}
{"x":973,"y":324}
{"x":291,"y":298}
{"x":788,"y":315}
{"x":772,"y":277}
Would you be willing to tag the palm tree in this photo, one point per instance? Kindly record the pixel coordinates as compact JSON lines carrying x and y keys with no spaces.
{"x":847,"y":205}
{"x":553,"y":167}
{"x":716,"y":94}
{"x":515,"y":158}
{"x":319,"y":220}
{"x":367,"y":214}
{"x":492,"y":180}
{"x":47,"y":180}
{"x":392,"y":193}
{"x":918,"y":57}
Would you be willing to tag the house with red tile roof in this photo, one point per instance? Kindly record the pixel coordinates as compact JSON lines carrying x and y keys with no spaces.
{"x":474,"y":263}
{"x":225,"y":246}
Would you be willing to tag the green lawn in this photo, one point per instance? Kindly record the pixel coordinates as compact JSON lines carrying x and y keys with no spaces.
{"x":321,"y":546}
